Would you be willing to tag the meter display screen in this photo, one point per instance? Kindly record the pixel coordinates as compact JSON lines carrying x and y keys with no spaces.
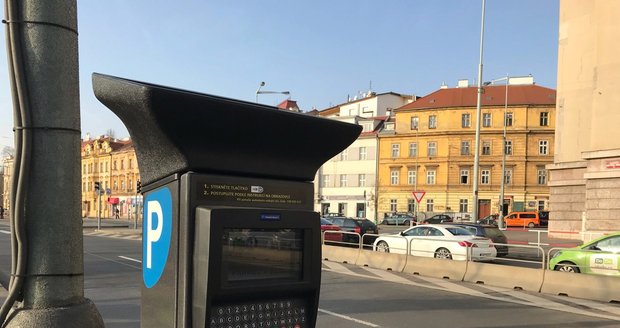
{"x":262,"y":254}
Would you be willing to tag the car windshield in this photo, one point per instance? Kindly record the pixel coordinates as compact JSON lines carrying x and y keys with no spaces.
{"x":458,"y":231}
{"x":323,"y":222}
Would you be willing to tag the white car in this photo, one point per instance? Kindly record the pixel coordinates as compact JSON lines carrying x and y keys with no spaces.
{"x":439,"y":241}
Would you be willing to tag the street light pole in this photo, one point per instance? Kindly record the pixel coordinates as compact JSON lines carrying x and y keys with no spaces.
{"x":501,"y":189}
{"x":259,"y":91}
{"x":478,"y":103}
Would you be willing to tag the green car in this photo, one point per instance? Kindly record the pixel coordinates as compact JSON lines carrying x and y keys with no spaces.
{"x":600,"y":256}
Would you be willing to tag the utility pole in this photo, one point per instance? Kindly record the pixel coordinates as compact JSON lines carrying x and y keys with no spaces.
{"x":48,"y":263}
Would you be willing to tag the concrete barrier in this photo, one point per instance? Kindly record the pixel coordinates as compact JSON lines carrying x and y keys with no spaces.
{"x":437,"y":268}
{"x":593,"y":287}
{"x":380,"y":260}
{"x":513,"y":277}
{"x":340,"y":254}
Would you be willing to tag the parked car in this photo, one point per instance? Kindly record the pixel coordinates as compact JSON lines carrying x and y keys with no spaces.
{"x":327,"y":225}
{"x":328,"y":215}
{"x":492,"y":219}
{"x":439,"y":241}
{"x":438,"y":218}
{"x":600,"y":256}
{"x":399,"y":219}
{"x":488,"y":231}
{"x":360,"y":226}
{"x":522,"y":219}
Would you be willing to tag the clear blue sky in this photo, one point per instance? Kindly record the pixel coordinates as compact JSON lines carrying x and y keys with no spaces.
{"x":320,"y":50}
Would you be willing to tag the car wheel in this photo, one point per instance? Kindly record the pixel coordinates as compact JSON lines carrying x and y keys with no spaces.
{"x":443,"y":253}
{"x":383,"y":247}
{"x":406,"y":222}
{"x":567,"y":267}
{"x":531,"y":225}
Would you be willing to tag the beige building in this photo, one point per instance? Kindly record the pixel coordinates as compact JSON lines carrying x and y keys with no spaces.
{"x":113,"y":164}
{"x":7,"y":171}
{"x":585,"y":176}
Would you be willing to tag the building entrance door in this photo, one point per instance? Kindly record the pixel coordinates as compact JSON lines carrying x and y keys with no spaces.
{"x":484,"y":208}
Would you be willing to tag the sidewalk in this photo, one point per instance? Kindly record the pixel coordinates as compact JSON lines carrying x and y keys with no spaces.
{"x":120,"y":226}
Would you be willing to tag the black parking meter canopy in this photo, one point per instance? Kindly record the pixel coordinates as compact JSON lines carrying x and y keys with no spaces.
{"x":177,"y":131}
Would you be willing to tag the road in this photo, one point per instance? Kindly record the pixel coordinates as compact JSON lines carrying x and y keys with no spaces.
{"x":351,"y":296}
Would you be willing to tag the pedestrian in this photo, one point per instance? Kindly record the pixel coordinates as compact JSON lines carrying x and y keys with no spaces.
{"x":117,"y":214}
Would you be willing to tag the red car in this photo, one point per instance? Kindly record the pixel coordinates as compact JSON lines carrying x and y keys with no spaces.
{"x":328,"y":226}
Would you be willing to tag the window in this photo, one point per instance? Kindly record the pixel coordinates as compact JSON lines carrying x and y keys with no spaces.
{"x":465,"y":147}
{"x":486,"y":120}
{"x":415,"y":123}
{"x":343,"y":180}
{"x":395,"y":150}
{"x":344,"y":155}
{"x":463,"y":206}
{"x":543,"y":147}
{"x":465,"y":120}
{"x":508,"y":119}
{"x":84,"y":169}
{"x":544,"y":118}
{"x":130,"y":185}
{"x":114,"y":167}
{"x":130,"y":163}
{"x":507,"y":177}
{"x":508,"y":147}
{"x":411,"y":177}
{"x":430,"y":177}
{"x":431,"y":148}
{"x":393,"y":205}
{"x":430,"y":205}
{"x":362,"y":152}
{"x":542,"y":176}
{"x":464,"y":176}
{"x":115,"y":185}
{"x":100,"y":167}
{"x":411,"y":205}
{"x":486,"y":148}
{"x":432,"y":122}
{"x":122,"y":184}
{"x":394,"y":173}
{"x":106,"y":166}
{"x":361,"y":179}
{"x":541,"y":205}
{"x":413,"y":149}
{"x":326,"y":181}
{"x":485,"y":176}
{"x":122,"y":164}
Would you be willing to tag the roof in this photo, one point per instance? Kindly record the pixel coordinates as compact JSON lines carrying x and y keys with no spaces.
{"x":492,"y":96}
{"x":336,"y":109}
{"x":288,"y":105}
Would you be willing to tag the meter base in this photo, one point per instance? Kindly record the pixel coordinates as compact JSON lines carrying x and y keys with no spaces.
{"x":83,"y":315}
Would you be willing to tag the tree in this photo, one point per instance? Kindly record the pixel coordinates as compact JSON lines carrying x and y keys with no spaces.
{"x":8,"y":151}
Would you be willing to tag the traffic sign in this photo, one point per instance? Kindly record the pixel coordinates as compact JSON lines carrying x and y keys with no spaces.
{"x":418,"y":195}
{"x":156,"y":233}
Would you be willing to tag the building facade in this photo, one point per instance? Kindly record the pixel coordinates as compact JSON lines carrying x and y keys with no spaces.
{"x":111,"y":163}
{"x":7,"y":172}
{"x":585,"y":176}
{"x":346,"y":184}
{"x":430,"y":148}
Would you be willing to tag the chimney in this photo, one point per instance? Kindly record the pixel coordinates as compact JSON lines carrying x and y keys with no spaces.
{"x":462,"y":83}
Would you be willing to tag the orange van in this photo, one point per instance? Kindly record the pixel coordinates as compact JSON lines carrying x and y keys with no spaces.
{"x":522,"y":219}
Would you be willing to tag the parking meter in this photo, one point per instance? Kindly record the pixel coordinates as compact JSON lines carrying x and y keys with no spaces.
{"x":230,"y":238}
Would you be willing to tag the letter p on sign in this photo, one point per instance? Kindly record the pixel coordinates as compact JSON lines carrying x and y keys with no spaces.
{"x":156,"y":234}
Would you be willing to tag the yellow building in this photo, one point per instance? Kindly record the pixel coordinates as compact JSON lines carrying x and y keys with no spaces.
{"x":430,"y":145}
{"x":7,"y":171}
{"x":113,"y":164}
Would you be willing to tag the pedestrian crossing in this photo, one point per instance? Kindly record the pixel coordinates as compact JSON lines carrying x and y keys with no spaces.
{"x":113,"y":234}
{"x":584,"y":307}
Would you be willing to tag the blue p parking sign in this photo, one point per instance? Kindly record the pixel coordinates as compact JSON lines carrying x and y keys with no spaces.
{"x":156,"y":232}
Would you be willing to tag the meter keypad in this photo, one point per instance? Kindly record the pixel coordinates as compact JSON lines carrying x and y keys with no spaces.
{"x":289,"y":313}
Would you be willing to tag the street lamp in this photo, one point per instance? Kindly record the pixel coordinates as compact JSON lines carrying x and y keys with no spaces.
{"x":501,"y":190}
{"x":259,"y":91}
{"x":478,"y":103}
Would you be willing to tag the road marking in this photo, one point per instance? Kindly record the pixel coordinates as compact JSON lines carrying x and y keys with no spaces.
{"x":338,"y":267}
{"x":591,"y":304}
{"x":389,"y":276}
{"x":346,"y":317}
{"x":5,"y":232}
{"x":113,"y":260}
{"x":129,"y":259}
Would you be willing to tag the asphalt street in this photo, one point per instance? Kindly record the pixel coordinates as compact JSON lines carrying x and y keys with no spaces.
{"x":351,"y":296}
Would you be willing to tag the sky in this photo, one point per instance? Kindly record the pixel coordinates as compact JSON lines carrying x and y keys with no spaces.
{"x":321,"y":51}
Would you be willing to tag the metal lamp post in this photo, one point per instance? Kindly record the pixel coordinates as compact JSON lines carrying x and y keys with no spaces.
{"x":260,"y":92}
{"x":478,"y":103}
